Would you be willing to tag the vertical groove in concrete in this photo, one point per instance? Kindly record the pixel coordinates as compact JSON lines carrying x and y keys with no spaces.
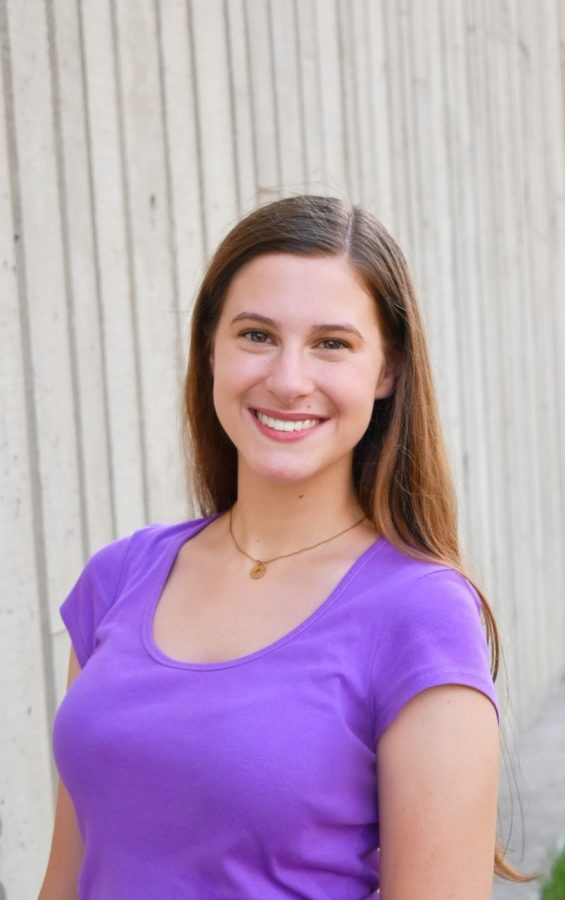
{"x":314,"y":14}
{"x":198,"y":131}
{"x":279,"y":185}
{"x":303,"y":124}
{"x":235,"y":146}
{"x":33,"y":445}
{"x":130,"y":264}
{"x":97,"y":273}
{"x":72,"y":337}
{"x":252,"y":104}
{"x":343,"y":100}
{"x":171,"y":222}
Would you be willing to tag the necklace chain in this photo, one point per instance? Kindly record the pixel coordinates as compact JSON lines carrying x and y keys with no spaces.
{"x":260,"y":567}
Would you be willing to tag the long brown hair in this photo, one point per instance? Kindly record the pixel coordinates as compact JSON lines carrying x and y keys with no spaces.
{"x":401,"y":471}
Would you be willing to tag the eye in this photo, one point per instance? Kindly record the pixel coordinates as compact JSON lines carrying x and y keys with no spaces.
{"x":251,"y":335}
{"x":255,"y":336}
{"x":337,"y":343}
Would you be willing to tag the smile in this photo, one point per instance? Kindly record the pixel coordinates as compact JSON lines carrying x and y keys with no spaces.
{"x":285,"y":429}
{"x":285,"y":424}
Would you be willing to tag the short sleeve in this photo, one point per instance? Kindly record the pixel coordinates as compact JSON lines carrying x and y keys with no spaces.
{"x":434,"y":636}
{"x":92,"y":596}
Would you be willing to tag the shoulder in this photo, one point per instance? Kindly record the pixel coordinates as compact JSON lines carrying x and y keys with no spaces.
{"x":143,"y":546}
{"x":126,"y":560}
{"x":431,"y":634}
{"x":161,"y":534}
{"x":416,"y":587}
{"x":427,"y":601}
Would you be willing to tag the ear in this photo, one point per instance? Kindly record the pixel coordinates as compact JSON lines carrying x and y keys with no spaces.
{"x":387,"y":382}
{"x":211,"y":360}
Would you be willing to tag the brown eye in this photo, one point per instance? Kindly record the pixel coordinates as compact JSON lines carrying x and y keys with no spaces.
{"x":337,"y":343}
{"x":251,"y":335}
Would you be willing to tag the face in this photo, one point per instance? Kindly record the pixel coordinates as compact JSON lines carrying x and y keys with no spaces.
{"x":297,"y":361}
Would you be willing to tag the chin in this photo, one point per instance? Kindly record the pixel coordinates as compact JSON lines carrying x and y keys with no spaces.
{"x":285,"y":477}
{"x":283,"y":474}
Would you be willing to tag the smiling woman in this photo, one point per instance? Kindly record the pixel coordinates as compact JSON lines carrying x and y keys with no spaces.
{"x":298,"y":368}
{"x":322,"y":722}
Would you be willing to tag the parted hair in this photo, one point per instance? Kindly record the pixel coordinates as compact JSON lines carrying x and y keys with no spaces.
{"x":401,"y":469}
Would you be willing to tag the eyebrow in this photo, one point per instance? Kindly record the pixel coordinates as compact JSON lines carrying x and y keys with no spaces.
{"x":265,"y":320}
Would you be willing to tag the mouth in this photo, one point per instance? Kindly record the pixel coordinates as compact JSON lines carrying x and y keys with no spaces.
{"x":294,"y":426}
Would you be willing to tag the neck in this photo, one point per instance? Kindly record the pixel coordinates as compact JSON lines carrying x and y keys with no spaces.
{"x":272,"y":519}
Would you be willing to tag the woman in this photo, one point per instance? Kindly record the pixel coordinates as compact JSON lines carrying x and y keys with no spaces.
{"x":289,"y":696}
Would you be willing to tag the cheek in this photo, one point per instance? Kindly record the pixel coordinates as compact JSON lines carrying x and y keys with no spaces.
{"x":250,"y":367}
{"x":354,"y":390}
{"x":236,"y":373}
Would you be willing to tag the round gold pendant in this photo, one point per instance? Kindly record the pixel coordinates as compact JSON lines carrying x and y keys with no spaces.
{"x":258,"y":570}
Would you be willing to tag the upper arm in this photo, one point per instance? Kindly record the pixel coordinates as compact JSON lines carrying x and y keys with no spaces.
{"x":74,"y":668}
{"x":437,"y":774}
{"x":65,"y":858}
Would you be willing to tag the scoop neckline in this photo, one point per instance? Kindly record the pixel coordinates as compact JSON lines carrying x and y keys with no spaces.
{"x":165,"y":569}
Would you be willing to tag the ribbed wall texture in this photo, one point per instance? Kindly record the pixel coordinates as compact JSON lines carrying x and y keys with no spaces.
{"x":134,"y":133}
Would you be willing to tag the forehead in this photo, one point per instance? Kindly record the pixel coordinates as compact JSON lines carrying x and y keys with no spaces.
{"x":305,"y":285}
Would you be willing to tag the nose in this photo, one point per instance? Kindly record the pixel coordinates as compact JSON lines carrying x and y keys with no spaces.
{"x":290,"y":375}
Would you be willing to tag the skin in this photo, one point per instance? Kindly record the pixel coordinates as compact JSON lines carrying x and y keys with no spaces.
{"x":437,"y":767}
{"x":288,"y":368}
{"x":437,"y":763}
{"x":67,"y":849}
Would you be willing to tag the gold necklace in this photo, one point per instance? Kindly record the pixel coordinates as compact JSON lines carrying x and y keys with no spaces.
{"x":260,"y":567}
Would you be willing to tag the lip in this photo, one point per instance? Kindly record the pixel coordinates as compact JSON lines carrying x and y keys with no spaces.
{"x":286,"y":417}
{"x":286,"y":436}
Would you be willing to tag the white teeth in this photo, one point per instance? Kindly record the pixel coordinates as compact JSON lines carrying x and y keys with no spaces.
{"x":285,"y":425}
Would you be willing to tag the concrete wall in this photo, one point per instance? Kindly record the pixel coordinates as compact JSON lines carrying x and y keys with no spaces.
{"x":133,"y":134}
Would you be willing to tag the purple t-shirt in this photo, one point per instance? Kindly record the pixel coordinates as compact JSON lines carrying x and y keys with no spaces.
{"x":253,"y":778}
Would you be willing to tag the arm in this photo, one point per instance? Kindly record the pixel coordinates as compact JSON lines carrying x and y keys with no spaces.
{"x":65,"y":858}
{"x":437,"y":772}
